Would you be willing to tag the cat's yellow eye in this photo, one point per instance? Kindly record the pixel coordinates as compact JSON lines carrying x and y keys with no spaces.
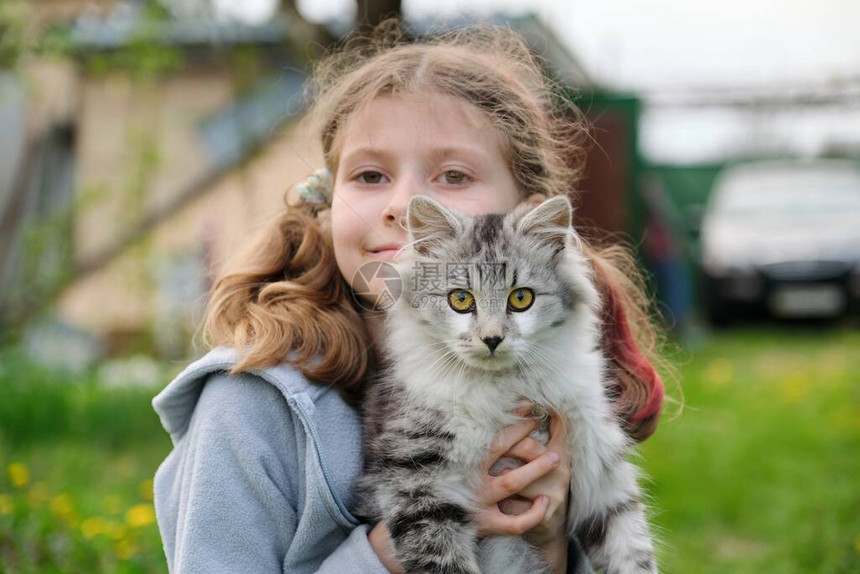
{"x":521,"y":299}
{"x":461,"y":301}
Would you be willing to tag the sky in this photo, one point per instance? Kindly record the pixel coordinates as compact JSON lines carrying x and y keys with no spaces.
{"x":662,"y":49}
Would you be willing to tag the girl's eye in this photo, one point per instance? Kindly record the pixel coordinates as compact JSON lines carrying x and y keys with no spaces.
{"x":455,"y":177}
{"x":370,"y":177}
{"x":461,"y":301}
{"x":521,"y":299}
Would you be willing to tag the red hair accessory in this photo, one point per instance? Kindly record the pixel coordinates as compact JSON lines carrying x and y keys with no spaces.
{"x":621,"y":346}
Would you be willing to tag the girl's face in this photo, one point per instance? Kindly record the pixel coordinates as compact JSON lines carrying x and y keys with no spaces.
{"x":396,"y":148}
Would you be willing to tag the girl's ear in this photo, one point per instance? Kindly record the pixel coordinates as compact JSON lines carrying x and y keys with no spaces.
{"x":429,"y":221}
{"x":551,"y":221}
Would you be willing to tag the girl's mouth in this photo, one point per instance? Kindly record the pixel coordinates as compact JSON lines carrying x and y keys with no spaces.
{"x":385,"y":253}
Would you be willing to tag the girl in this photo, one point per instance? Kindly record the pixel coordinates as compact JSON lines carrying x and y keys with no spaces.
{"x":265,"y":427}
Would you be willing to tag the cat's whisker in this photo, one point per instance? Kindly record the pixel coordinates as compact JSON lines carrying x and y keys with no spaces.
{"x":431,"y":345}
{"x":444,"y":343}
{"x":447,"y":358}
{"x":531,"y":365}
{"x":436,"y":343}
{"x":546,"y":360}
{"x":455,"y":362}
{"x":463,"y":366}
{"x":526,"y":358}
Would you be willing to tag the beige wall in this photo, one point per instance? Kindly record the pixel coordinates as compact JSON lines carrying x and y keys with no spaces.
{"x":45,"y":12}
{"x":122,"y":298}
{"x":52,"y":93}
{"x":120,"y":124}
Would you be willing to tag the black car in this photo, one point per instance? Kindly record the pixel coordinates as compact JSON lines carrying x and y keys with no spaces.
{"x":783,"y":238}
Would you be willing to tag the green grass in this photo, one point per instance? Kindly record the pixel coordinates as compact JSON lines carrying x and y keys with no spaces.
{"x":75,"y":483}
{"x":759,"y":473}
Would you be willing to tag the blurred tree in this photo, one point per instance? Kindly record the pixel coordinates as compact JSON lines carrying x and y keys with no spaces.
{"x":11,"y":32}
{"x":372,"y":12}
{"x":309,"y":40}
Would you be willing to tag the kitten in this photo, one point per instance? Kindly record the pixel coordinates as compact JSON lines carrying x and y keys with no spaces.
{"x":494,"y":308}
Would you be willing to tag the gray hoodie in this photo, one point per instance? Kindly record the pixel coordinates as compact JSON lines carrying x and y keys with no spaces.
{"x":261,"y":475}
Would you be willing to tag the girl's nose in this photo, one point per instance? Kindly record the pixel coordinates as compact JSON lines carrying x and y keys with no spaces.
{"x":394,"y":215}
{"x":395,"y":211}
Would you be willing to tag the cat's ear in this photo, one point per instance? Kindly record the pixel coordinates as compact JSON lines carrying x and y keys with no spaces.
{"x":429,"y":221}
{"x":551,"y":221}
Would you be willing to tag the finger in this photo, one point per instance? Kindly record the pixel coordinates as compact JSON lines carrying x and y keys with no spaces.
{"x":514,"y":505}
{"x":542,"y":487}
{"x":508,"y":437}
{"x":558,"y":432}
{"x":494,"y":522}
{"x":526,"y":450}
{"x":524,"y":407}
{"x":533,"y":490}
{"x":514,"y":481}
{"x":554,"y":485}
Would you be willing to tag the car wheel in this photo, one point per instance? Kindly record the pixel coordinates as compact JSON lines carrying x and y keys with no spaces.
{"x":717,"y":310}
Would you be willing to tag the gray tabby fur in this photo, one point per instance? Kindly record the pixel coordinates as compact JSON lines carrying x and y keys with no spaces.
{"x":433,"y":410}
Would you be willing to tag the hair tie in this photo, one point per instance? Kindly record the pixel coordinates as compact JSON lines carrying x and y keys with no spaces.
{"x":317,"y":189}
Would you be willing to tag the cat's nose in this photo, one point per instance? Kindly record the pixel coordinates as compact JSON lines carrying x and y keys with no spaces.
{"x":492,"y":342}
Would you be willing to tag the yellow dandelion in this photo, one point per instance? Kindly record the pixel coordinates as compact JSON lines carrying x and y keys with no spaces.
{"x":719,"y":372}
{"x":145,"y":489}
{"x":61,"y":505}
{"x":5,"y":504}
{"x":140,"y":515}
{"x":857,"y":544}
{"x":18,"y":475}
{"x":92,"y":527}
{"x":115,"y":529}
{"x":125,"y":550}
{"x":795,"y":388}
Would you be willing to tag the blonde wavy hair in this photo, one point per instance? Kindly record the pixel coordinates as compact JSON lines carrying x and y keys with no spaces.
{"x":282,"y":298}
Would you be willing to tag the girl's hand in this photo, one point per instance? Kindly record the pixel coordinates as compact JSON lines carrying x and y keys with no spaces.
{"x":511,"y":441}
{"x":538,"y":491}
{"x":379,"y":539}
{"x":542,"y":523}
